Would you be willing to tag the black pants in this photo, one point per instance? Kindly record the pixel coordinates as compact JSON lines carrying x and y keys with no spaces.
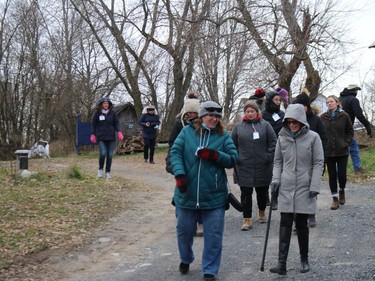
{"x":336,"y":167}
{"x":247,"y":199}
{"x":286,"y":220}
{"x":149,"y":144}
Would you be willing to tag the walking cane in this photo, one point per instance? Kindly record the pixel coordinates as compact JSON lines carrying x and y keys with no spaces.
{"x":267,"y":232}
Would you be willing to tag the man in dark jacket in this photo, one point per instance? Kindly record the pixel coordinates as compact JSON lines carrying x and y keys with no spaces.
{"x":350,"y":104}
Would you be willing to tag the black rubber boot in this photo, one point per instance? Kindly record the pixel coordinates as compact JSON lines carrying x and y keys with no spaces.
{"x":284,"y":243}
{"x":303,"y":243}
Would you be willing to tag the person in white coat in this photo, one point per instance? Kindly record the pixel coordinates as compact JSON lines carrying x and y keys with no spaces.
{"x":296,"y":177}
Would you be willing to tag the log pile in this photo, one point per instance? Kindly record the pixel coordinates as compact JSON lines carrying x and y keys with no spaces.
{"x":129,"y":145}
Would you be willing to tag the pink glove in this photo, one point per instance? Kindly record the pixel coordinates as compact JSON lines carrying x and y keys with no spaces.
{"x":120,"y":136}
{"x":93,"y":138}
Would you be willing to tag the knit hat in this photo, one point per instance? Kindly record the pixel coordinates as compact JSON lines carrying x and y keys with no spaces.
{"x":271,"y":94}
{"x":191,"y":105}
{"x":303,"y":99}
{"x":210,"y":107}
{"x":252,"y":104}
{"x":353,"y":87}
{"x":260,"y":93}
{"x":283,"y":94}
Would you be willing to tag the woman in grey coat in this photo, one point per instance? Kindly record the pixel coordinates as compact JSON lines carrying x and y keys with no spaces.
{"x":297,"y":172}
{"x":255,"y":140}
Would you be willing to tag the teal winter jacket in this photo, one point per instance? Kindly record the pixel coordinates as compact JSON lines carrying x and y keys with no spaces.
{"x":207,"y":180}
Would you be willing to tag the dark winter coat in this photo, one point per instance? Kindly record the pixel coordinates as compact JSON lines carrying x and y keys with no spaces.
{"x":272,"y":113}
{"x":255,"y":156}
{"x":176,"y":129}
{"x":207,"y":180}
{"x":350,"y":104}
{"x":105,"y":126}
{"x":181,"y":121}
{"x":151,"y":131}
{"x":339,"y":133}
{"x":316,"y":124}
{"x":298,"y":165}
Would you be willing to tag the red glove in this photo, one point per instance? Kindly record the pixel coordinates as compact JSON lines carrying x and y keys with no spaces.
{"x":208,"y":154}
{"x":120,"y":136}
{"x":181,"y":183}
{"x":93,"y":138}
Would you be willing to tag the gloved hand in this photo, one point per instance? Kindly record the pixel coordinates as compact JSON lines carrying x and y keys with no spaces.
{"x":274,"y":187}
{"x":120,"y":136}
{"x":93,"y":138}
{"x":369,"y":131}
{"x":313,"y":194}
{"x":181,"y":183}
{"x":208,"y":154}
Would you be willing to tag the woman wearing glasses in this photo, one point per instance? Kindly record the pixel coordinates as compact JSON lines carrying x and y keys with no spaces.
{"x":340,"y":134}
{"x":297,"y":171}
{"x":199,"y":156}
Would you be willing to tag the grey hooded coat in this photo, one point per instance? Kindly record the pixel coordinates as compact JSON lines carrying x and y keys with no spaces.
{"x":298,"y":165}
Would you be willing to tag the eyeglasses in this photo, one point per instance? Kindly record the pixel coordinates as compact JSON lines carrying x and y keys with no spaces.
{"x":294,"y":122}
{"x":213,"y":109}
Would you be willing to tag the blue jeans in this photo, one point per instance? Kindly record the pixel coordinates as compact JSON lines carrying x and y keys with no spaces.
{"x":213,"y":229}
{"x":354,"y":154}
{"x":106,"y":151}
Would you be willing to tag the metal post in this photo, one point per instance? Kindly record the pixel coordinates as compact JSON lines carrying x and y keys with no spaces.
{"x":22,"y":160}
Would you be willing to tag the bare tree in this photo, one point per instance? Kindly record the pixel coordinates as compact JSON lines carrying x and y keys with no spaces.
{"x":131,"y":59}
{"x":181,"y":23}
{"x":289,"y":35}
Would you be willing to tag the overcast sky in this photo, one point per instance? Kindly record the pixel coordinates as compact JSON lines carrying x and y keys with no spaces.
{"x":363,"y":32}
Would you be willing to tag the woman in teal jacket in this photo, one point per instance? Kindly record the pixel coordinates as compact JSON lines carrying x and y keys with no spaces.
{"x":199,"y":157}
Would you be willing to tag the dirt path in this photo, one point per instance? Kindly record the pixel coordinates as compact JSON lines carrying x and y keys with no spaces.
{"x":125,"y":237}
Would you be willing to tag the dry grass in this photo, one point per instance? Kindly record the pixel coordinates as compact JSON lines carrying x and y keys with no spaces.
{"x":52,"y":209}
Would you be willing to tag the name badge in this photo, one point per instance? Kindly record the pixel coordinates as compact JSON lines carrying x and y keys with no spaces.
{"x":255,"y":135}
{"x":101,"y":117}
{"x":275,"y":116}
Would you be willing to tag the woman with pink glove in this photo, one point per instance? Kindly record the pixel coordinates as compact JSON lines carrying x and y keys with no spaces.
{"x":104,"y":127}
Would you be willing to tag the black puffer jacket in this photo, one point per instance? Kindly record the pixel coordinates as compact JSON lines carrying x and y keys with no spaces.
{"x":105,"y":125}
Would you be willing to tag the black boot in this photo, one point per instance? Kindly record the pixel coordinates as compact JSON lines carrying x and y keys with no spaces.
{"x":284,"y":242}
{"x":303,"y":242}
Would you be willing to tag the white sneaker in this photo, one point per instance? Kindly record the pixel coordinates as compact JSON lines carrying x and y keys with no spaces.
{"x":100,"y":173}
{"x":107,"y":175}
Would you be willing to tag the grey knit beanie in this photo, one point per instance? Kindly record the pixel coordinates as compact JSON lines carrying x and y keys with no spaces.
{"x":210,"y":107}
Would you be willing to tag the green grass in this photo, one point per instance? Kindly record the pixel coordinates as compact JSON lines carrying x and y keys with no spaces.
{"x":49,"y":208}
{"x":368,"y":162}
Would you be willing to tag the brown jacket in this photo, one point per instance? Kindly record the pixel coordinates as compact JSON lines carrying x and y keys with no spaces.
{"x":339,"y":133}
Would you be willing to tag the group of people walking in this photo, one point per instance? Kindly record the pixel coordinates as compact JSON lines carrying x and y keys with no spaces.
{"x":284,"y":150}
{"x":278,"y":146}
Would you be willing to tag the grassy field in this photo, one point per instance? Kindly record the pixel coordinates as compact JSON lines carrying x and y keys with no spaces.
{"x":50,"y":208}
